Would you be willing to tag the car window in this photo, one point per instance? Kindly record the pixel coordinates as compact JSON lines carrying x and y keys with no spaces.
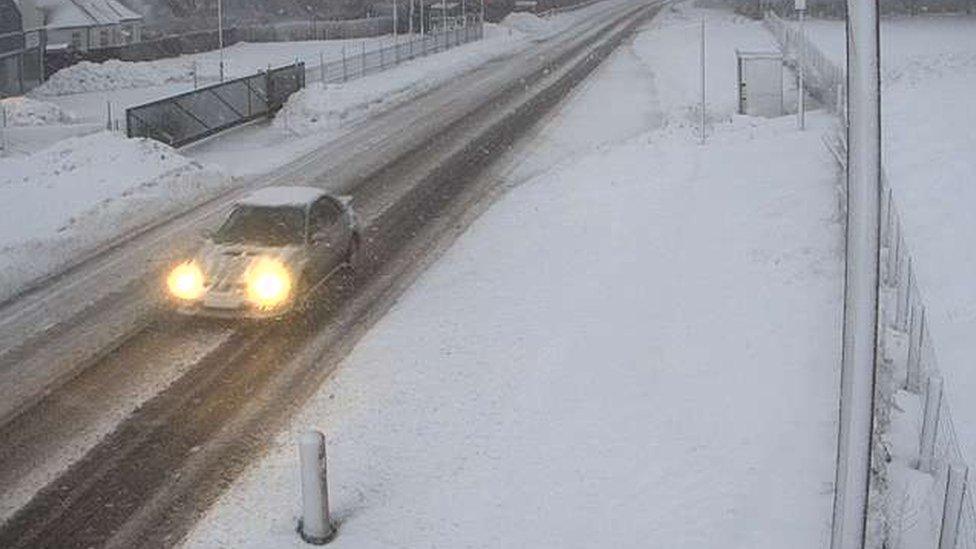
{"x":263,"y":226}
{"x":324,"y":214}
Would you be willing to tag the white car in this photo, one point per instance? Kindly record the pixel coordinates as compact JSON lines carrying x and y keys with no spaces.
{"x":275,"y":246}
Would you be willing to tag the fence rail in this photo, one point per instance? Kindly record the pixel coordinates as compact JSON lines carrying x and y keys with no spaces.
{"x":359,"y":62}
{"x":902,"y":312}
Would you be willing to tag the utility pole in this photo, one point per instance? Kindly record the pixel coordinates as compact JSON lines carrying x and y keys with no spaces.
{"x":854,"y":439}
{"x":220,"y":35}
{"x":702,"y":51}
{"x":801,"y":8}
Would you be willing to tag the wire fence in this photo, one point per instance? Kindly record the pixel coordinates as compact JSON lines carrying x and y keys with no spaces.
{"x":359,"y":62}
{"x":916,"y":368}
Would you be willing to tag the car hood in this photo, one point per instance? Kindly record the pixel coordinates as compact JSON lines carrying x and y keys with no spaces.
{"x":225,"y":265}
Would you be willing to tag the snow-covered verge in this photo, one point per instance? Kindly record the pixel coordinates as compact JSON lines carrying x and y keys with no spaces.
{"x":24,"y":111}
{"x":61,"y":203}
{"x":637,"y":347}
{"x":322,"y":107}
{"x":928,"y":74}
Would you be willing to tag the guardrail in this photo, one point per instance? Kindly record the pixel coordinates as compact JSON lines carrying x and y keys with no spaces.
{"x":188,"y":117}
{"x":907,"y":353}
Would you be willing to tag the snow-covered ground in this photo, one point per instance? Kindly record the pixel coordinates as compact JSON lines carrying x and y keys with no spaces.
{"x":636,"y":346}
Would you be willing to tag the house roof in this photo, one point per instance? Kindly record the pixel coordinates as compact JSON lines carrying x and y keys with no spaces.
{"x":85,"y":13}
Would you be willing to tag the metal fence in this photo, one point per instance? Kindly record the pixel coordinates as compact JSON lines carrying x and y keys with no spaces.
{"x":908,"y":356}
{"x":359,"y":62}
{"x":22,"y":61}
{"x":824,"y":79}
{"x":195,"y":115}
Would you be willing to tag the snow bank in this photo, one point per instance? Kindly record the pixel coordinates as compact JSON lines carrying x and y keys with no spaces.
{"x":526,"y":22}
{"x":24,"y":111}
{"x":112,"y":75}
{"x":319,"y":107}
{"x":60,"y":203}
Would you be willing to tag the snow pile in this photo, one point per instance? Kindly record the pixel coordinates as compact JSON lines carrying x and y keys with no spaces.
{"x":317,"y":107}
{"x":60,"y":203}
{"x":24,"y":111}
{"x":112,"y":75}
{"x":528,"y":23}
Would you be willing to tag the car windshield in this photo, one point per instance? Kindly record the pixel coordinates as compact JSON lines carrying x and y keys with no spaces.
{"x":263,"y":226}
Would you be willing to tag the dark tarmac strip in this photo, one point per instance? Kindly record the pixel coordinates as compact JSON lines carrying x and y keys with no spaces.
{"x":146,"y":483}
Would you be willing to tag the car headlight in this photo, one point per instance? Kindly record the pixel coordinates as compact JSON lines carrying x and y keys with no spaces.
{"x":268,"y":283}
{"x":185,"y":281}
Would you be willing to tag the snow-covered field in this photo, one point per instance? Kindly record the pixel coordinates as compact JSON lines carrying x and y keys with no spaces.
{"x":636,"y":346}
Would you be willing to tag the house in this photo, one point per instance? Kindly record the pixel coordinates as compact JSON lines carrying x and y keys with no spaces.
{"x":89,"y":24}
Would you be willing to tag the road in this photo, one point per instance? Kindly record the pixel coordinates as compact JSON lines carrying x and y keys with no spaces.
{"x":413,"y":179}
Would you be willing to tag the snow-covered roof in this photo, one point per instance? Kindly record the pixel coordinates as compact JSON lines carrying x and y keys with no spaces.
{"x":272,"y":197}
{"x":85,"y":13}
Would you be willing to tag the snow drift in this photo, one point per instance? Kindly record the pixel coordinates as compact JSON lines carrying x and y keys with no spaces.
{"x":61,"y":203}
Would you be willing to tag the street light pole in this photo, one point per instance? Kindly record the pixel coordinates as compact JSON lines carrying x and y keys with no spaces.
{"x":220,"y":35}
{"x":854,"y":437}
{"x":801,"y":105}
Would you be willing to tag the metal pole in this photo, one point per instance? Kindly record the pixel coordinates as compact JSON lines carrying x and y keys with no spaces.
{"x":423,"y":23}
{"x":861,"y":278}
{"x":315,"y":526}
{"x":410,"y":25}
{"x":930,"y":425}
{"x":464,"y":15}
{"x":108,"y":114}
{"x":955,"y":494}
{"x":703,"y":81}
{"x":395,"y":21}
{"x":801,"y":112}
{"x":3,"y":129}
{"x":220,"y":35}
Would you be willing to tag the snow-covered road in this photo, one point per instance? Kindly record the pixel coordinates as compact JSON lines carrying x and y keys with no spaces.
{"x":636,"y":346}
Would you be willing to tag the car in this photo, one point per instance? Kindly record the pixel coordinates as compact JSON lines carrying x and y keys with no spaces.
{"x":276,"y":245}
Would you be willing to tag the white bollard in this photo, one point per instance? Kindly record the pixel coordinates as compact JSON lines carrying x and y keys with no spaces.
{"x":930,"y":424}
{"x":315,"y":526}
{"x":952,"y":508}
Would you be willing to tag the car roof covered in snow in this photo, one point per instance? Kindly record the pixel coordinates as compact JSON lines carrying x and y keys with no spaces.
{"x":276,"y":197}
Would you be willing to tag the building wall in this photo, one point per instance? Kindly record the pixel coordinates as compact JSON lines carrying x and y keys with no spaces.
{"x":97,"y":37}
